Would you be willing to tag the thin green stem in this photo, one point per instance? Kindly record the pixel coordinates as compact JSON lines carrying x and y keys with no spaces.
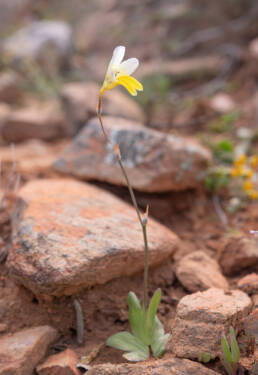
{"x":130,"y":189}
{"x":142,"y":221}
{"x":146,"y":265}
{"x":100,"y":119}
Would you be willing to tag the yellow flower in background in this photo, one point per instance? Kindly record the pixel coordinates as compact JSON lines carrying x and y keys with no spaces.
{"x":254,"y":161}
{"x":240,"y":161}
{"x":119,"y":73}
{"x":243,"y":168}
{"x":247,"y":185}
{"x":236,"y":172}
{"x":248,"y":173}
{"x":253,"y":194}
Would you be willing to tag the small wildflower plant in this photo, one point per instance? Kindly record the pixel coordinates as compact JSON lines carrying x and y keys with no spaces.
{"x":241,"y":177}
{"x":119,"y":73}
{"x":230,"y":353}
{"x":147,"y":329}
{"x":245,"y":170}
{"x":217,"y":176}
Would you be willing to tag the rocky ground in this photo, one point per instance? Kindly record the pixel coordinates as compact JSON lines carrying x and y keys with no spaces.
{"x":70,"y":244}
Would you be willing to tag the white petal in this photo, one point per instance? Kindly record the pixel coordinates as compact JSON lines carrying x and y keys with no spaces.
{"x":118,"y":55}
{"x":129,"y":66}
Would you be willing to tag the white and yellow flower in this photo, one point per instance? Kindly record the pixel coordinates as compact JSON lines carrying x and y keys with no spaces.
{"x":119,"y":73}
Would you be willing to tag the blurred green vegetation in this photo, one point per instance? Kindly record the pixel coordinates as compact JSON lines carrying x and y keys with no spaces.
{"x":156,"y":88}
{"x":225,"y":122}
{"x":217,"y":178}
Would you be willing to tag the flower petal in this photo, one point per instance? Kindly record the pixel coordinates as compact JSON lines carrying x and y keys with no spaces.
{"x":130,"y":81}
{"x":124,"y":81}
{"x":137,"y":85}
{"x":127,"y":67}
{"x":118,"y":55}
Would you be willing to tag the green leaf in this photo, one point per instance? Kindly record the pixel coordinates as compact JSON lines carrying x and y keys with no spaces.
{"x":152,"y":311}
{"x":222,"y":181}
{"x":228,"y":368}
{"x":225,"y":145}
{"x":234,"y":346}
{"x":223,"y":151}
{"x":133,"y":301}
{"x":209,"y":183}
{"x":129,"y":343}
{"x":204,"y":357}
{"x":225,"y":349}
{"x":159,"y":338}
{"x":137,"y":318}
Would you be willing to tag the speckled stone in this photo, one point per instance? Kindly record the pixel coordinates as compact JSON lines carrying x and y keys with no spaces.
{"x":80,"y":102}
{"x":21,"y":351}
{"x":155,"y":162}
{"x":63,"y":363}
{"x":70,"y":235}
{"x":173,"y":366}
{"x":202,"y":318}
{"x":197,"y":271}
{"x":240,"y":253}
{"x":249,"y":283}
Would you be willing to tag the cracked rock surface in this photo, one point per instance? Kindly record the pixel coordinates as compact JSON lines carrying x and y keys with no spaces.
{"x":21,"y":351}
{"x":71,"y":235}
{"x":202,"y":318}
{"x":197,"y":271}
{"x":155,"y":162}
{"x":173,"y":366}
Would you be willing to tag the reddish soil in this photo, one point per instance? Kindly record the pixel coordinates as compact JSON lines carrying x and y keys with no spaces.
{"x":191,"y":215}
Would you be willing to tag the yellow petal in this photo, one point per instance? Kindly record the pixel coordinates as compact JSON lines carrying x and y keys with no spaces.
{"x":247,"y":185}
{"x":109,"y":83}
{"x":240,"y":161}
{"x":233,"y":172}
{"x":130,"y":83}
{"x":248,"y":173}
{"x":236,"y":172}
{"x":135,"y":83}
{"x":123,"y":80}
{"x":254,"y":161}
{"x":254,"y":194}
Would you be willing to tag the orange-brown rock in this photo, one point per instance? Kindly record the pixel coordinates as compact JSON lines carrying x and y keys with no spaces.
{"x":5,"y":110}
{"x":63,"y":363}
{"x":182,"y":67}
{"x":222,"y":103}
{"x":32,"y":157}
{"x":173,"y":366}
{"x":80,"y":103}
{"x":197,"y":271}
{"x":254,"y":370}
{"x":239,"y":253}
{"x":249,"y":365}
{"x":10,"y":90}
{"x":44,"y":121}
{"x":20,"y":352}
{"x":3,"y":327}
{"x":250,"y":324}
{"x":71,"y":235}
{"x":155,"y":162}
{"x":253,"y":48}
{"x":249,"y":283}
{"x":255,"y":300}
{"x":202,"y":318}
